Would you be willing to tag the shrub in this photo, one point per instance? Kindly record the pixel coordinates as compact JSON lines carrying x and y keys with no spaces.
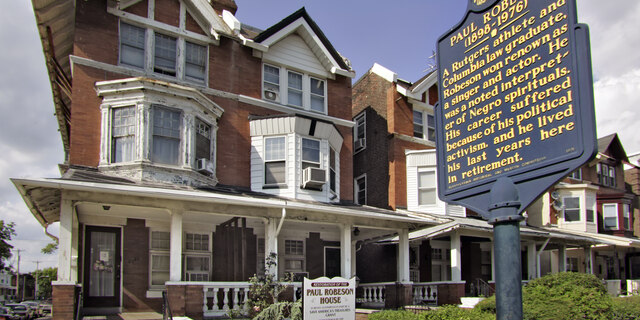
{"x":626,"y":308}
{"x":566,"y":295}
{"x":487,"y":305}
{"x":394,"y":315}
{"x":451,"y":312}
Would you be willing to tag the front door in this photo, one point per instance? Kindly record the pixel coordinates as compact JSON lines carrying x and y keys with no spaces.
{"x":102,"y":267}
{"x":332,"y":262}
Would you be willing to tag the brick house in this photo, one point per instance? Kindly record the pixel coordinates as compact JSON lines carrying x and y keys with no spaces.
{"x":196,"y":146}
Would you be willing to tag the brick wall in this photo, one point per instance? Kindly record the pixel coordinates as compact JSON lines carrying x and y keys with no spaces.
{"x":63,"y":304}
{"x":167,"y":11}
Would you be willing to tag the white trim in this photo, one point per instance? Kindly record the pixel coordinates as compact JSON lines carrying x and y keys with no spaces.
{"x":356,"y":188}
{"x":384,"y":73}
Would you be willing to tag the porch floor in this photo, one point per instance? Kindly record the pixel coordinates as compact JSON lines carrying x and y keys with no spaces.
{"x":127,"y":316}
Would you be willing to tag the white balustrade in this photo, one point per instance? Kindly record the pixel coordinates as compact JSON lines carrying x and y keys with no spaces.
{"x":633,"y":287}
{"x":221,"y":297}
{"x":425,"y":293}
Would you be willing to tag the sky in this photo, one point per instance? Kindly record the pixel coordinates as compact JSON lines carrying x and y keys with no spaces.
{"x":400,"y":37}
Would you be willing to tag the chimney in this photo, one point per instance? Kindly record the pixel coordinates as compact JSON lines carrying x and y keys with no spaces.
{"x":220,"y":5}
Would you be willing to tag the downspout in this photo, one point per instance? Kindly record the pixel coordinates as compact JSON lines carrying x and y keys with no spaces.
{"x":46,"y":231}
{"x":284,"y":215}
{"x":544,"y":245}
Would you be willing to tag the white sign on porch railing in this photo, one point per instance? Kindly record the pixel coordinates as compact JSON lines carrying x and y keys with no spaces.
{"x":329,"y":299}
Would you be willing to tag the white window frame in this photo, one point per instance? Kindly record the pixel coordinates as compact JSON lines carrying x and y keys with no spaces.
{"x":576,"y":175}
{"x":428,"y":124}
{"x":357,"y":189}
{"x":360,"y":122}
{"x":201,"y":131}
{"x":266,"y":161}
{"x":158,"y":251}
{"x":198,"y":253}
{"x":606,"y":215}
{"x":433,"y":187}
{"x":283,"y":88}
{"x":606,"y":175}
{"x":295,"y":257}
{"x":149,"y":60}
{"x":578,"y":209}
{"x":154,"y":135}
{"x":333,"y":171}
{"x":114,"y":158}
{"x":310,"y":163}
{"x":189,"y":274}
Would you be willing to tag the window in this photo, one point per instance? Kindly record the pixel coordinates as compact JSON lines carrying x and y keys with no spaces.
{"x":123,"y":134}
{"x":164,"y":61}
{"x":427,"y":188}
{"x":170,"y":56}
{"x":576,"y":175}
{"x":332,"y":170}
{"x":160,"y":240}
{"x":203,"y":140}
{"x":159,"y":258}
{"x":626,"y":219}
{"x":310,"y":153}
{"x":421,"y":131}
{"x":301,"y":91}
{"x":610,"y":213}
{"x":571,"y":209}
{"x":591,"y":203}
{"x":195,"y":61}
{"x":361,"y":190}
{"x":274,"y":164}
{"x":132,"y":41}
{"x":572,"y":264}
{"x":359,"y":135}
{"x":197,"y":242}
{"x":606,"y":175}
{"x":294,"y":255}
{"x":196,"y":268}
{"x":166,"y":135}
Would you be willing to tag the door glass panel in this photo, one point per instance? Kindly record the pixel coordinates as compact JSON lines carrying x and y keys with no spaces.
{"x":102,"y":257}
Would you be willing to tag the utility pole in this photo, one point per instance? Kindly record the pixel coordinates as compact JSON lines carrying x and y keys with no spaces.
{"x":18,"y":274}
{"x":35,"y":293}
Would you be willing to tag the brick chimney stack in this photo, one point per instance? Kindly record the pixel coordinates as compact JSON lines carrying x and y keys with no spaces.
{"x":220,"y":5}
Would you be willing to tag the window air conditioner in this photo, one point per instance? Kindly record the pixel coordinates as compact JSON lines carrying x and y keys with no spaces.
{"x":271,"y":95}
{"x":359,"y":144}
{"x":204,"y":165}
{"x":313,"y":178}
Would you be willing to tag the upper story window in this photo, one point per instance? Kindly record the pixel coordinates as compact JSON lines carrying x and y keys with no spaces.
{"x":571,"y":209}
{"x":310,"y":153}
{"x":427,"y":188}
{"x":610,"y":215}
{"x":606,"y":175}
{"x":576,"y":175}
{"x":300,"y":90}
{"x":274,"y":160}
{"x":359,"y":133}
{"x":626,"y":216}
{"x":360,"y":186}
{"x":169,"y":55}
{"x":424,"y":125}
{"x":177,"y":134}
{"x":332,"y":171}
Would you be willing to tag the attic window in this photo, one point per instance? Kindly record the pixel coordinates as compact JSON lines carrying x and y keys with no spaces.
{"x":301,"y":91}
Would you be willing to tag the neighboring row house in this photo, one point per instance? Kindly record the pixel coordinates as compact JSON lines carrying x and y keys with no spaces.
{"x":585,"y":223}
{"x":196,"y":146}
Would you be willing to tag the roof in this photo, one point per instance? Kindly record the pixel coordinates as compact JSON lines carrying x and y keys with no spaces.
{"x":302,"y":14}
{"x":612,"y":144}
{"x":43,"y":197}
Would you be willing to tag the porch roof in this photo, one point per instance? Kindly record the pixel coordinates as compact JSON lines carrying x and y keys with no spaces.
{"x":43,"y":197}
{"x":607,"y":239}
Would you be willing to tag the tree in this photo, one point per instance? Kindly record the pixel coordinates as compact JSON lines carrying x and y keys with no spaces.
{"x":50,"y":248}
{"x":44,"y":278}
{"x":6,"y":232}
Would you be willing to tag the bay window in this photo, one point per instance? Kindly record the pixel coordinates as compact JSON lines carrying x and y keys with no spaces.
{"x":166,"y":135}
{"x":626,"y":218}
{"x":310,"y":153}
{"x":332,"y":170}
{"x":571,"y":209}
{"x":123,"y":134}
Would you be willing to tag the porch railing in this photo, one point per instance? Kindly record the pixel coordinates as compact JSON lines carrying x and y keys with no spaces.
{"x":614,"y":287}
{"x":373,"y":294}
{"x":633,"y":287}
{"x":425,"y":293}
{"x":219,"y":298}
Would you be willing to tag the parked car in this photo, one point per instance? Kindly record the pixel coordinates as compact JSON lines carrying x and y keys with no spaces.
{"x":7,"y":314}
{"x":20,"y":310}
{"x":33,"y":308}
{"x":44,"y":308}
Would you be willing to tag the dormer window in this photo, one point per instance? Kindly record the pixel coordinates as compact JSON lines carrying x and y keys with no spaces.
{"x":301,"y":90}
{"x":151,"y":125}
{"x":172,"y":56}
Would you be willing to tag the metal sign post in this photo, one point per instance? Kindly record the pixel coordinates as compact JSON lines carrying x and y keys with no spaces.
{"x":515,"y":116}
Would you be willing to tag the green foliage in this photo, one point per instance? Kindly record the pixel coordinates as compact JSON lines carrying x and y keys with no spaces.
{"x":281,"y":310}
{"x":264,"y":290}
{"x":6,"y":232}
{"x":394,"y":315}
{"x":566,"y":295}
{"x":44,"y":278}
{"x":50,"y":248}
{"x":626,"y":308}
{"x":487,"y":305}
{"x":451,"y":312}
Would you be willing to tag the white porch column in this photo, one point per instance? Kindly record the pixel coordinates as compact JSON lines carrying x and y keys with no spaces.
{"x":271,"y":244}
{"x":65,"y":245}
{"x":562,"y":259}
{"x":404,"y":273}
{"x":345,"y":251}
{"x":353,"y":258}
{"x":175,"y":247}
{"x":588,"y":259}
{"x":456,"y":257}
{"x":532,"y":258}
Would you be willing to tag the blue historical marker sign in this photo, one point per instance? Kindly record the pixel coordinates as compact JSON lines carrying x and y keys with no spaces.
{"x":516,"y":100}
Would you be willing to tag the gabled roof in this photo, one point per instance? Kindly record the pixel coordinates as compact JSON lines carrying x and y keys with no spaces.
{"x":611,"y":144}
{"x":301,"y":22}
